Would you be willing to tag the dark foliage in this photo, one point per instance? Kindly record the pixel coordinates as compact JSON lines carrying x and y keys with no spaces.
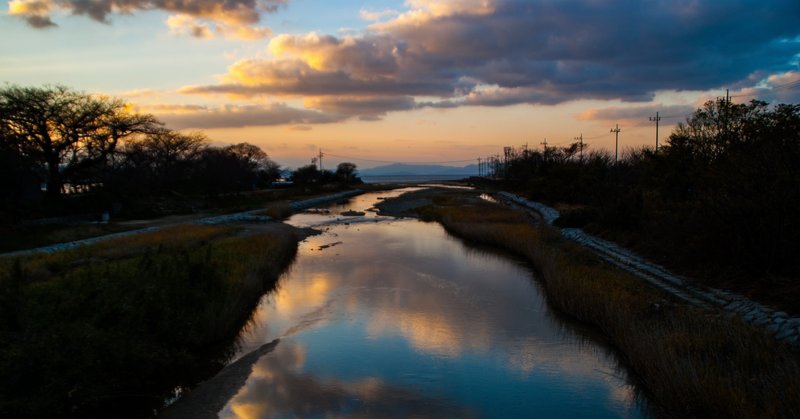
{"x":347,"y":174}
{"x":68,"y":133}
{"x":110,"y":332}
{"x":107,"y":158}
{"x":719,"y":200}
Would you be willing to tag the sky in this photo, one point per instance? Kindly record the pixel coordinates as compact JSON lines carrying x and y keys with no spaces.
{"x":414,"y":81}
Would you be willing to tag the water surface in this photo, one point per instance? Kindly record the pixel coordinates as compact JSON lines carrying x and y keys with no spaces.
{"x":381,"y":317}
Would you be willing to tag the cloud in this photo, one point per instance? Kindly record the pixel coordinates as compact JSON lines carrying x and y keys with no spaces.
{"x":199,"y":18}
{"x":36,"y":13}
{"x":296,"y":77}
{"x":532,"y":51}
{"x":233,"y":116}
{"x":367,"y":108}
{"x":637,"y":115}
{"x":278,"y":387}
{"x":449,"y":53}
{"x":782,"y":88}
{"x":183,"y":24}
{"x":373,"y":16}
{"x":140,"y":93}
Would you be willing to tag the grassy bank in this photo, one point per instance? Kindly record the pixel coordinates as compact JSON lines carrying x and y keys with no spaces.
{"x":20,"y":231}
{"x":109,"y":330}
{"x":693,"y":363}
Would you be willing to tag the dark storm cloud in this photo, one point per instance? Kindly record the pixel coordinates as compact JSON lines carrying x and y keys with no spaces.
{"x":541,"y":52}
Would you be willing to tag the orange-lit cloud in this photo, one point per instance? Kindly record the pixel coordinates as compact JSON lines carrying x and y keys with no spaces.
{"x":236,"y":116}
{"x":183,"y":24}
{"x":449,"y":53}
{"x":278,"y":387}
{"x":199,"y":18}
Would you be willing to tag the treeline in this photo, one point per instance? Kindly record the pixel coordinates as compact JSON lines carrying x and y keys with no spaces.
{"x":311,"y":177}
{"x":719,"y":200}
{"x":55,"y":142}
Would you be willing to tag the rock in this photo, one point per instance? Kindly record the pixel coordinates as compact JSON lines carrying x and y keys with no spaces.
{"x":352,"y":213}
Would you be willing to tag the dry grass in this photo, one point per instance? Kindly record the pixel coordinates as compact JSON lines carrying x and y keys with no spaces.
{"x":108,"y":330}
{"x":693,"y":363}
{"x":279,"y":210}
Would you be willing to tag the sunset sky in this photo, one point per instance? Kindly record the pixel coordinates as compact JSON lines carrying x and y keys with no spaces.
{"x":408,"y":81}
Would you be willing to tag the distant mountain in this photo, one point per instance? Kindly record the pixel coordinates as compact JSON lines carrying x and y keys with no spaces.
{"x":419,"y":170}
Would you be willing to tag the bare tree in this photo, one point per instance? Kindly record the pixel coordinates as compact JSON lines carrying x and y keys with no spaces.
{"x":67,"y":131}
{"x":162,"y":161}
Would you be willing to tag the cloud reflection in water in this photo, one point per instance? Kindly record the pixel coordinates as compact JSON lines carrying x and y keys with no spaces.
{"x":402,"y":319}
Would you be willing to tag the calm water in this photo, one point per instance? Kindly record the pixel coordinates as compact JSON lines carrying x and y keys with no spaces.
{"x":394,"y":318}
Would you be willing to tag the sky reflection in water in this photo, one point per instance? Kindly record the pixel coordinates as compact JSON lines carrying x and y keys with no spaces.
{"x":397,"y":319}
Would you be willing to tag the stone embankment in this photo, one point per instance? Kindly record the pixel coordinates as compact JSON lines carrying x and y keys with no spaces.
{"x":246,"y":216}
{"x":783,"y":326}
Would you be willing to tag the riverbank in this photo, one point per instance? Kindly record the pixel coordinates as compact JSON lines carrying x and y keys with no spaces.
{"x":20,"y":236}
{"x":694,"y":362}
{"x":110,"y":329}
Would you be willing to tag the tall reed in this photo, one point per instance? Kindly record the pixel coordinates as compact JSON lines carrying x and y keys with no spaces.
{"x":109,"y":330}
{"x":692,"y":362}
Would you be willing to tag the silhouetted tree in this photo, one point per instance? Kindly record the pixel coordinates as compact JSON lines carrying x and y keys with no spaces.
{"x":254,"y":161}
{"x":159,"y":162}
{"x":307,"y":176}
{"x":347,"y":173}
{"x":67,"y":131}
{"x":19,"y":174}
{"x":720,"y":197}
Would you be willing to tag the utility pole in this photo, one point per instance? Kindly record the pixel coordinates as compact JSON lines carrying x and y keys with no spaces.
{"x":544,"y":143}
{"x":480,"y":173}
{"x":320,"y":159}
{"x":616,"y":131}
{"x":580,"y":139}
{"x":656,"y":119}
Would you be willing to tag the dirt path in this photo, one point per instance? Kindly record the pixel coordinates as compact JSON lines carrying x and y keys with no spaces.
{"x":246,"y":216}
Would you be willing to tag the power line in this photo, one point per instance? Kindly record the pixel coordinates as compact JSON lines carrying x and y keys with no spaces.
{"x":777,"y":87}
{"x":683,"y":115}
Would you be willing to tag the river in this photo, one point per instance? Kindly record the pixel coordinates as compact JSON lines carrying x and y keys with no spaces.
{"x":384,"y":317}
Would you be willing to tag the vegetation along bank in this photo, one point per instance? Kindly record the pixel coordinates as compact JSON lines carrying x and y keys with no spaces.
{"x":693,"y":362}
{"x":111,"y":329}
